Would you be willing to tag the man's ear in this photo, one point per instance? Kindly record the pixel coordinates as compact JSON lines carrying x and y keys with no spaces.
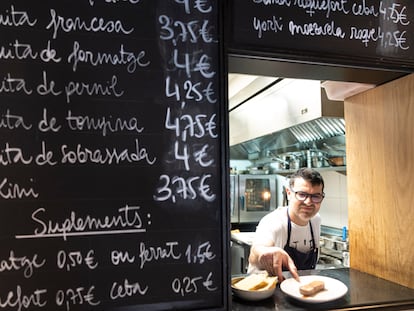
{"x":288,"y":190}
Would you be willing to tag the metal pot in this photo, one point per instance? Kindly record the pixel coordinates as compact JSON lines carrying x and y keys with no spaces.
{"x":294,"y":163}
{"x":317,"y":159}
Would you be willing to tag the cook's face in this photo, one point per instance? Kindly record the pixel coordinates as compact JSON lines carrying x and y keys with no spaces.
{"x":301,"y":211}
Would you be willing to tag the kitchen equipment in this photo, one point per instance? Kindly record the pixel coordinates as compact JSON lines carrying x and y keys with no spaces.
{"x":318,"y":159}
{"x":332,"y":250}
{"x":345,"y":260}
{"x":295,"y":162}
{"x":240,"y":250}
{"x":234,"y":196}
{"x":257,"y":196}
{"x":328,"y":243}
{"x":280,"y":164}
{"x":341,"y":246}
{"x":239,"y":258}
{"x":285,"y":201}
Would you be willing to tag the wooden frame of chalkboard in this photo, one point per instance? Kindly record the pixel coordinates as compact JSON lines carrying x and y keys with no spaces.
{"x":113,"y":155}
{"x":374,"y":37}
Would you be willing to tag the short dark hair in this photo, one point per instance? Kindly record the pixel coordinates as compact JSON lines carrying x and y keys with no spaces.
{"x":308,"y":174}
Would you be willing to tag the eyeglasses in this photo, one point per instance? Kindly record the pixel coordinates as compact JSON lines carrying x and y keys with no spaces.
{"x":302,"y":196}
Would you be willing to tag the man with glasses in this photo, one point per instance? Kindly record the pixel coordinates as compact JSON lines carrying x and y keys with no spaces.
{"x":288,"y":237}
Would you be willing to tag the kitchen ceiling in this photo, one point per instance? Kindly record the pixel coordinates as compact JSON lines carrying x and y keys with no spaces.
{"x":243,"y":87}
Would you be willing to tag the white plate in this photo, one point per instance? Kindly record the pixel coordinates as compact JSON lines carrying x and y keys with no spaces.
{"x":334,"y":288}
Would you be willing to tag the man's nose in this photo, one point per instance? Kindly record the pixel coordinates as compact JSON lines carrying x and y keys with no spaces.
{"x":308,"y":200}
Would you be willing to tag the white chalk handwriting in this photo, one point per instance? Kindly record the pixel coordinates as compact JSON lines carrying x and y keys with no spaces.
{"x":316,"y":29}
{"x":196,"y":61}
{"x":189,"y":188}
{"x":25,"y":263}
{"x":10,"y":84}
{"x":21,"y":300}
{"x":81,"y":114}
{"x":12,"y":121}
{"x":24,"y":51}
{"x":80,"y":88}
{"x":128,"y":220}
{"x":273,"y":24}
{"x":122,"y":57}
{"x":76,"y":296}
{"x":187,"y":126}
{"x":94,"y":25}
{"x":193,"y":91}
{"x":126,"y":289}
{"x":71,"y":259}
{"x":390,"y":20}
{"x":190,"y":285}
{"x":81,"y":155}
{"x":179,"y":32}
{"x":103,"y":124}
{"x":11,"y":190}
{"x":15,"y":18}
{"x":92,"y":2}
{"x":202,"y":6}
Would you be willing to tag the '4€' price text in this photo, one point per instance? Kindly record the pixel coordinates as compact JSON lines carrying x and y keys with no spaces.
{"x":200,"y":154}
{"x":197,"y":62}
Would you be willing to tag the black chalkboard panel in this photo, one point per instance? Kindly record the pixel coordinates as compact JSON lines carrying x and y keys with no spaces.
{"x":111,"y":194}
{"x":365,"y":33}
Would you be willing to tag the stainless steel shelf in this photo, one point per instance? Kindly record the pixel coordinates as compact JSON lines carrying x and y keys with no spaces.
{"x":341,"y":169}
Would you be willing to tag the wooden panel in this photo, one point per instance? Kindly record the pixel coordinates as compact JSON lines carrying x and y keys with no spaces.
{"x":380,"y":153}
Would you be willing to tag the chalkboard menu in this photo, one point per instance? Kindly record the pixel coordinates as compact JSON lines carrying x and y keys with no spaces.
{"x":363,"y":32}
{"x":111,"y":195}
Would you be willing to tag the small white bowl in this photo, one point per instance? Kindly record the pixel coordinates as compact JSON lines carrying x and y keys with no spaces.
{"x":252,"y":295}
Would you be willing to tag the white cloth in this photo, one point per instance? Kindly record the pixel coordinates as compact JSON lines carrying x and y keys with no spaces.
{"x":273,"y":230}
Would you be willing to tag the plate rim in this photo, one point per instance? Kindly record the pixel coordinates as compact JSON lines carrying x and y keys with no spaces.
{"x":311,"y":278}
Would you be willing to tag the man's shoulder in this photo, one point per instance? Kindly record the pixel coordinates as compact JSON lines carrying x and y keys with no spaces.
{"x":279,"y":214}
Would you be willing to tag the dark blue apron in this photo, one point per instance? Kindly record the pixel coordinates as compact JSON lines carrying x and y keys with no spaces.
{"x":303,"y":261}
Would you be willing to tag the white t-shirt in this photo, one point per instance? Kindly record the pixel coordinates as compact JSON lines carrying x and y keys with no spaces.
{"x":273,"y":230}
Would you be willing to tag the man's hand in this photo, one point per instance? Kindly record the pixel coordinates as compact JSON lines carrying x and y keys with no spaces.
{"x":273,"y":259}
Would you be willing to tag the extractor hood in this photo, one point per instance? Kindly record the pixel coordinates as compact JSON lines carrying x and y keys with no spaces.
{"x":325,"y":134}
{"x":284,"y":115}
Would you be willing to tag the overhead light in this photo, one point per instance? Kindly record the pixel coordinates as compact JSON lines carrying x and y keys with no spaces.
{"x":337,"y":90}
